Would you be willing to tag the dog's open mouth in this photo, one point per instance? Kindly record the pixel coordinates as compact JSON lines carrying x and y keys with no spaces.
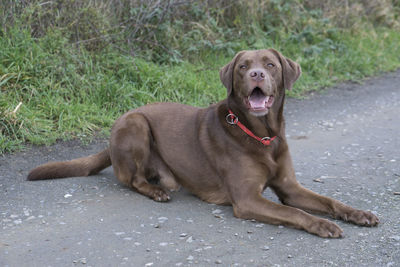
{"x":258,"y":101}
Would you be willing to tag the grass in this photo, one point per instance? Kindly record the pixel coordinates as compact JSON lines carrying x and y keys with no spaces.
{"x":362,"y":55}
{"x":69,"y":91}
{"x":66,"y":95}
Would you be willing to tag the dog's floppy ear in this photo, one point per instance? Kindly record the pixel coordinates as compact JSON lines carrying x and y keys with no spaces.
{"x":226,"y":73}
{"x":290,"y":70}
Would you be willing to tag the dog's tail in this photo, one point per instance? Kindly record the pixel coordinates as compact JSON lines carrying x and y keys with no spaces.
{"x":77,"y":167}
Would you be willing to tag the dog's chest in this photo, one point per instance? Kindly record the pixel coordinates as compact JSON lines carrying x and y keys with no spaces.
{"x":265,"y":162}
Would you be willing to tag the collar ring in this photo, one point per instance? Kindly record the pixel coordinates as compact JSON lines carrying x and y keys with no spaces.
{"x":232,"y":119}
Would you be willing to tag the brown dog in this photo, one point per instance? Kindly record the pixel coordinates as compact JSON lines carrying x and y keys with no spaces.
{"x":217,"y":152}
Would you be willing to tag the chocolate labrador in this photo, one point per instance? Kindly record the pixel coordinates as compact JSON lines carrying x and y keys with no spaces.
{"x":227,"y":153}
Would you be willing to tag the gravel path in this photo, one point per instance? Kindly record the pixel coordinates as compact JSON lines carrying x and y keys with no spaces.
{"x":344,"y":143}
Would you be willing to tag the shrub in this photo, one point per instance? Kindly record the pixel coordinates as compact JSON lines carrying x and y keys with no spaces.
{"x":172,"y":30}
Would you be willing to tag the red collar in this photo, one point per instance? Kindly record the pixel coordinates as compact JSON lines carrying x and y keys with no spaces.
{"x":234,"y":120}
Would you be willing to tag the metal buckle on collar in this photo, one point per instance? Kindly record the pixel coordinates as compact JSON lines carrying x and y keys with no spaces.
{"x":232,"y":119}
{"x":266,"y":141}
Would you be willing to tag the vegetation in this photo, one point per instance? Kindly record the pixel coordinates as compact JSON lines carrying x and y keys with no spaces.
{"x":69,"y":68}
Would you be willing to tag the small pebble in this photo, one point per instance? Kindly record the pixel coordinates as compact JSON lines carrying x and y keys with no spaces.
{"x":395,"y":237}
{"x":162,"y":219}
{"x":119,"y":233}
{"x":216,"y":211}
{"x":82,"y":260}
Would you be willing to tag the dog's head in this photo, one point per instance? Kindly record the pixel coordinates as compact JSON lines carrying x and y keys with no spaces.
{"x":254,"y":79}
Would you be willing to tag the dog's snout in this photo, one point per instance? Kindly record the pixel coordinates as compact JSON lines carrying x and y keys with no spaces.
{"x":257,"y":74}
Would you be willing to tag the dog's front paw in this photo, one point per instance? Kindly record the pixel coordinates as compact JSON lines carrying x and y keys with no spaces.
{"x":159,"y":195}
{"x":324,"y":228}
{"x":360,"y":217}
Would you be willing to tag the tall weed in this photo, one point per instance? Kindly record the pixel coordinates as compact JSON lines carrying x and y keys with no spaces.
{"x":174,"y":30}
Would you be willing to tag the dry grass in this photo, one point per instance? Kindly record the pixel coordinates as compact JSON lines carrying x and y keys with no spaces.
{"x":351,"y":13}
{"x":170,"y":28}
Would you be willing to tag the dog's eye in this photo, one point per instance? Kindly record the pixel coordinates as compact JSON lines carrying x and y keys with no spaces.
{"x":270,"y":65}
{"x":243,"y":67}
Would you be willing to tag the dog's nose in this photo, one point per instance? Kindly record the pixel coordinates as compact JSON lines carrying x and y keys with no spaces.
{"x":257,"y":75}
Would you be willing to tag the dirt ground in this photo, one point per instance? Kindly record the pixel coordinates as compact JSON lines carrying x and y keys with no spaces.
{"x":344,"y":142}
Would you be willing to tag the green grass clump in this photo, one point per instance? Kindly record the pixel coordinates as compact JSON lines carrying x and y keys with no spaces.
{"x":68,"y":94}
{"x":70,"y":74}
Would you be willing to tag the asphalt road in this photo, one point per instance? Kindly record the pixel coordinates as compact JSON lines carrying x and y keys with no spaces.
{"x":344,"y":142}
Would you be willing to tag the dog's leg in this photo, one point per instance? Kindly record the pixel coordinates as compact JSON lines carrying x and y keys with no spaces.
{"x":250,"y":204}
{"x":291,"y":193}
{"x":167,"y":179}
{"x":130,"y":152}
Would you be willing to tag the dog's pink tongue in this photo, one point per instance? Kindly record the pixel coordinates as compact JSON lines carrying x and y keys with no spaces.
{"x":257,"y":100}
